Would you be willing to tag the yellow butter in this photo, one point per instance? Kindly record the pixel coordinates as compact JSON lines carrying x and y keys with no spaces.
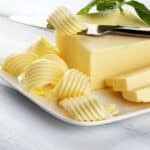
{"x":43,"y":47}
{"x":88,"y":108}
{"x":130,"y":81}
{"x":72,"y":84}
{"x":57,"y":59}
{"x":138,"y":95}
{"x":43,"y":72}
{"x":106,"y":56}
{"x":111,"y":108}
{"x":64,"y":21}
{"x":16,"y":63}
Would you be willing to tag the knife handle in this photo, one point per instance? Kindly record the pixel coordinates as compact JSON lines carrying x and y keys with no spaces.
{"x":140,"y":32}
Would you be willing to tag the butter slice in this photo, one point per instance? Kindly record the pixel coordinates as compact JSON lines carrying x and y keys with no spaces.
{"x":138,"y":95}
{"x":131,"y":81}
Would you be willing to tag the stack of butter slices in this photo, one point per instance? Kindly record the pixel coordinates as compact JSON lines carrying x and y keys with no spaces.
{"x":134,"y":86}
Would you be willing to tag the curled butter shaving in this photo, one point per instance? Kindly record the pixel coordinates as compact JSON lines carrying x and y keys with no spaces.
{"x":64,"y":21}
{"x":43,"y":47}
{"x":16,"y":63}
{"x":43,"y":72}
{"x":72,"y":84}
{"x":57,"y":59}
{"x":87,"y":108}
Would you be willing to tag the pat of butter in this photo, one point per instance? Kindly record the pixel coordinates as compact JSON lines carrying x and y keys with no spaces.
{"x":106,"y":56}
{"x":131,"y":81}
{"x":139,"y":95}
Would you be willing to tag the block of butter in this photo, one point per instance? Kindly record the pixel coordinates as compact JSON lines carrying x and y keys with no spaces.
{"x":105,"y":56}
{"x":138,"y":95}
{"x":130,"y":81}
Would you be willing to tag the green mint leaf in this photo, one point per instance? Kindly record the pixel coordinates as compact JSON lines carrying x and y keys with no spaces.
{"x":107,"y":6}
{"x":142,"y":11}
{"x":85,"y":10}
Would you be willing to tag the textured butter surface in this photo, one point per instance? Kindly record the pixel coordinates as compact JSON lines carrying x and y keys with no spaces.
{"x":16,"y":63}
{"x":88,"y":108}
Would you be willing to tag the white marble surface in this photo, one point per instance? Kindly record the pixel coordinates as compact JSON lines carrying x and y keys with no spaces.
{"x":24,"y":126}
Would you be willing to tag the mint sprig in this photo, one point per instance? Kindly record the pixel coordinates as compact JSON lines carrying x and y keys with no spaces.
{"x":107,"y":6}
{"x":142,"y":11}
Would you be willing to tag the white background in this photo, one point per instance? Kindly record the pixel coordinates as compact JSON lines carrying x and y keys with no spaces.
{"x":24,"y":126}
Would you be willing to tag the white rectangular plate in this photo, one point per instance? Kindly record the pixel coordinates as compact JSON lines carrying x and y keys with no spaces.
{"x":127,"y":109}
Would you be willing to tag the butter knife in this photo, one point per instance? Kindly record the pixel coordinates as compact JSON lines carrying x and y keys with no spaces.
{"x":92,"y":30}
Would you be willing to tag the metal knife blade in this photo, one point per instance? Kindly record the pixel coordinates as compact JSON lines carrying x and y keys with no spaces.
{"x":92,"y":30}
{"x":99,"y":30}
{"x":30,"y":21}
